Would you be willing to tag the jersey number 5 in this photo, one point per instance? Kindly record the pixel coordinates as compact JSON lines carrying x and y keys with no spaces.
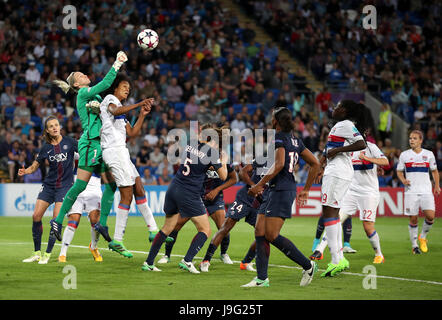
{"x":186,"y":163}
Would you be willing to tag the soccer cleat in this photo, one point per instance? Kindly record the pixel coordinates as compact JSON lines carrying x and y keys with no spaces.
{"x":332,"y":270}
{"x":204,"y":266}
{"x":378,"y":259}
{"x":56,"y":229}
{"x":152,"y":235}
{"x":45,"y":258}
{"x":347,"y":248}
{"x":188,"y":266}
{"x":165,"y":259}
{"x":344,"y":264}
{"x":226,"y":259}
{"x":146,"y":267}
{"x":246,"y":266}
{"x":416,"y":250}
{"x":317,"y":255}
{"x":104,"y":231}
{"x":423,"y":244}
{"x":257,"y":283}
{"x":96,"y":254}
{"x":307,"y":275}
{"x":118,"y":246}
{"x":62,"y":259}
{"x":315,"y":244}
{"x":36,"y":256}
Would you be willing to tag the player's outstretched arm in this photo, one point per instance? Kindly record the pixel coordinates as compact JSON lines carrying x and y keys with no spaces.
{"x":118,"y":111}
{"x":232,"y":178}
{"x":135,"y":130}
{"x":31,"y":169}
{"x":244,"y":174}
{"x":382,"y":161}
{"x":358,"y":145}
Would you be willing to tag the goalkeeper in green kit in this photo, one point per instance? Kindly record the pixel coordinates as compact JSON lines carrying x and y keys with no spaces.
{"x":90,"y":150}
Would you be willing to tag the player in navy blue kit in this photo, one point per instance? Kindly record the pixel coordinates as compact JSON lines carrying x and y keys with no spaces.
{"x":213,"y":200}
{"x":244,"y":206}
{"x":184,"y":196}
{"x":281,"y":194}
{"x":59,"y":152}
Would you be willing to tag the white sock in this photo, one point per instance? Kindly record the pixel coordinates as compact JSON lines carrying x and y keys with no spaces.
{"x":332,"y":231}
{"x":321,"y":246}
{"x":340,"y":248}
{"x":121,"y":221}
{"x":68,"y":235}
{"x":375,"y":243}
{"x":147,"y":213}
{"x":413,"y":231}
{"x":95,"y":235}
{"x":426,"y":226}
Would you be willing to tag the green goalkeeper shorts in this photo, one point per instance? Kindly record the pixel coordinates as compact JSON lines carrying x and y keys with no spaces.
{"x":91,"y":156}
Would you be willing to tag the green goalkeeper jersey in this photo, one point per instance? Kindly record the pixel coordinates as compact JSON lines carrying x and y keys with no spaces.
{"x":90,"y":122}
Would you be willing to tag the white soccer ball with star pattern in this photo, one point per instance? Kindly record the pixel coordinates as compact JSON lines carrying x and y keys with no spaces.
{"x":148,"y":39}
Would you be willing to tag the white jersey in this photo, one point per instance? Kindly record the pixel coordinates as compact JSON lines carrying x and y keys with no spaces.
{"x":365,"y":180}
{"x":113,"y":129}
{"x":342,"y":134}
{"x":417,"y":167}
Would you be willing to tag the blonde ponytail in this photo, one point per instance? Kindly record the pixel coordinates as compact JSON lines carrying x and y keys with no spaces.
{"x":67,"y":85}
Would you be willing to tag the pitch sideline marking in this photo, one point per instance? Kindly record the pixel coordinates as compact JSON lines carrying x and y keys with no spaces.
{"x":270,"y":265}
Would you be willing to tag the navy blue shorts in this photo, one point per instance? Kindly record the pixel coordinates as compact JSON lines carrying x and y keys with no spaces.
{"x":279,"y":204}
{"x":239,"y":210}
{"x":263,"y":205}
{"x":179,"y":200}
{"x":52,"y":194}
{"x":215,"y":205}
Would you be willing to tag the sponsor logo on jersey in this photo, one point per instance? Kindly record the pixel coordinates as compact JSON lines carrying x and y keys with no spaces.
{"x":59,"y":157}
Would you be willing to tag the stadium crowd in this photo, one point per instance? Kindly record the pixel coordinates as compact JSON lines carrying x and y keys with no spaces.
{"x":208,"y":67}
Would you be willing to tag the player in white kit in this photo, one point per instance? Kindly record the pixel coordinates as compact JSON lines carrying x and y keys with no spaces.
{"x":417,"y":163}
{"x":343,"y":139}
{"x":363,"y":195}
{"x":87,"y":201}
{"x":117,"y":158}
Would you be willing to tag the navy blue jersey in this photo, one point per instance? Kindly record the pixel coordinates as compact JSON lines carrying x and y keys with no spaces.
{"x":212,"y":179}
{"x":192,"y":171}
{"x":61,"y":162}
{"x":241,"y":195}
{"x":285,"y":179}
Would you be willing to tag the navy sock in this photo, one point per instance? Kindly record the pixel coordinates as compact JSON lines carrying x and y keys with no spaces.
{"x":250,"y":254}
{"x":262,"y":256}
{"x":195,"y":246}
{"x":320,"y":227}
{"x":169,"y":245}
{"x":155,"y":248}
{"x":225,"y":244}
{"x":289,"y":249}
{"x":346,"y":229}
{"x":210,"y":251}
{"x":37,"y":231}
{"x":51,"y":243}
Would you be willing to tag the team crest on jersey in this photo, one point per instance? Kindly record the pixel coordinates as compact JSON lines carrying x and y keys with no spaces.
{"x":425,"y":158}
{"x":65,"y":147}
{"x":295,"y":142}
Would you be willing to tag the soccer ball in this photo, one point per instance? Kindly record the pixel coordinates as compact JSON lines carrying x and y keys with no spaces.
{"x":148,"y":39}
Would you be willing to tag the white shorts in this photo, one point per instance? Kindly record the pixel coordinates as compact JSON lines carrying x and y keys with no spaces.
{"x":121,"y":167}
{"x":412,"y":203}
{"x":333,"y":191}
{"x":366,"y":204}
{"x":87,"y":201}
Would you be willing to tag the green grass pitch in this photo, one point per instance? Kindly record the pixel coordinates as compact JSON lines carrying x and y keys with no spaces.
{"x":402,"y":276}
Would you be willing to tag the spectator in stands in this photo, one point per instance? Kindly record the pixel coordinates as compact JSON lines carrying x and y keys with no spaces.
{"x":174,"y":91}
{"x":323,"y":102}
{"x":401,"y":104}
{"x":164,"y":179}
{"x":238,"y":124}
{"x":142,"y":159}
{"x":8,"y":98}
{"x":385,"y":126}
{"x":22,"y":114}
{"x":32,"y":73}
{"x":148,"y":179}
{"x":156,"y":157}
{"x":152,"y":137}
{"x":191,"y":108}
